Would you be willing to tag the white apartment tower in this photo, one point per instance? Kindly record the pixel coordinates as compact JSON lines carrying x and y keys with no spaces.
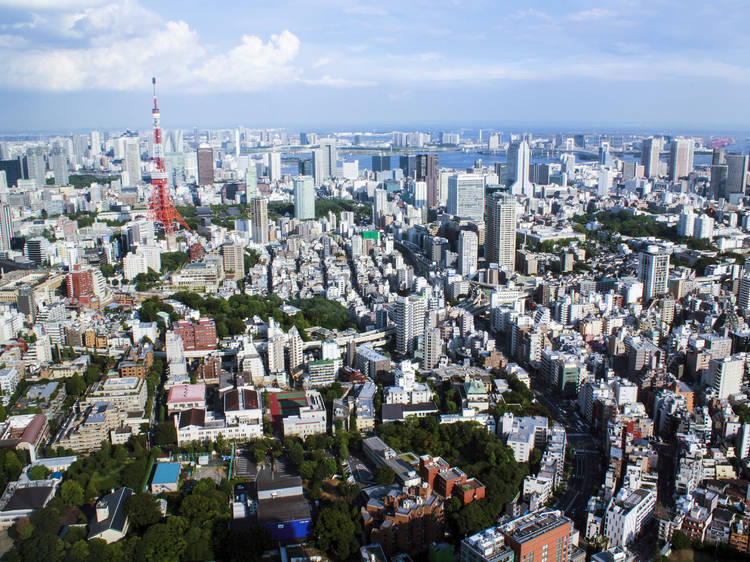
{"x":653,"y":271}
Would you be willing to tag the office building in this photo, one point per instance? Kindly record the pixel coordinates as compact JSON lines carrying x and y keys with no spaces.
{"x":324,"y":160}
{"x":500,"y":239}
{"x":466,"y":196}
{"x":6,"y":226}
{"x":627,"y":514}
{"x":205,"y":155}
{"x":304,"y":198}
{"x":650,"y":151}
{"x":680,"y":159}
{"x":34,"y":249}
{"x":427,"y":171}
{"x":408,"y":165}
{"x":519,"y":159}
{"x":719,"y":176}
{"x":737,"y":166}
{"x":381,"y":163}
{"x":409,"y":316}
{"x":743,"y":294}
{"x":25,"y":302}
{"x":467,"y":253}
{"x":132,"y":164}
{"x":653,"y":271}
{"x":259,"y":219}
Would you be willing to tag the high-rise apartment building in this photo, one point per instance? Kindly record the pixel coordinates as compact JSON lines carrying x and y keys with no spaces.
{"x":680,"y":159}
{"x":304,"y":198}
{"x":650,"y":150}
{"x":272,"y":161}
{"x":726,"y":375}
{"x":133,"y":161}
{"x":233,"y":256}
{"x":409,"y":316}
{"x":427,"y":171}
{"x":36,"y":168}
{"x":500,"y":239}
{"x":205,"y":156}
{"x":468,"y":246}
{"x":251,"y":183}
{"x":433,"y":344}
{"x":466,"y":196}
{"x":653,"y":271}
{"x":59,"y":165}
{"x":259,"y":219}
{"x":6,"y":226}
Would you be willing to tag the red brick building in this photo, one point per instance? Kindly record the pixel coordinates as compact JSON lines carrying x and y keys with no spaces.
{"x":197,"y":336}
{"x":196,"y":252}
{"x":539,"y":535}
{"x":405,"y":522}
{"x":449,"y":481}
{"x":85,"y":287}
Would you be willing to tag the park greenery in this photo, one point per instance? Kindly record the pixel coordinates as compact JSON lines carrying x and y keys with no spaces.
{"x":476,"y":452}
{"x":230,"y":314}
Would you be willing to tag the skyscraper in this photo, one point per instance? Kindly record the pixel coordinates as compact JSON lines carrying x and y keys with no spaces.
{"x":427,"y":171}
{"x":519,"y":159}
{"x":6,"y":227}
{"x":409,"y":316}
{"x":324,"y":160}
{"x":251,"y":183}
{"x":408,"y":164}
{"x":259,"y":218}
{"x":500,"y":245}
{"x":205,"y":165}
{"x":381,"y":162}
{"x":133,"y":161}
{"x":653,"y":271}
{"x":273,"y":165}
{"x":650,"y":149}
{"x":36,"y":169}
{"x":719,"y":174}
{"x":737,"y":165}
{"x":304,"y":198}
{"x":59,"y":165}
{"x":466,"y":196}
{"x":680,"y":159}
{"x":467,"y":253}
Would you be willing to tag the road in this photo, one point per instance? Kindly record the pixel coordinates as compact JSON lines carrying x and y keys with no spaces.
{"x":588,"y":470}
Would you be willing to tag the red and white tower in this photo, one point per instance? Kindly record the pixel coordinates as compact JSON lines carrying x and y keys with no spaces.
{"x":161,"y":208}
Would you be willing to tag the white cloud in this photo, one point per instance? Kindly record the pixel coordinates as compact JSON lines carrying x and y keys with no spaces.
{"x":365,"y":10}
{"x":58,"y":5}
{"x":322,"y":61}
{"x":119,"y":46}
{"x":591,"y":15}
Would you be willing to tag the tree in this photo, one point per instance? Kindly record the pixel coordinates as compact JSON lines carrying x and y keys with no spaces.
{"x":221,"y":444}
{"x":143,"y":510}
{"x":92,"y":374}
{"x":71,"y":493}
{"x":75,"y":385}
{"x":680,"y":541}
{"x":38,"y":472}
{"x":165,"y":434}
{"x":385,"y":475}
{"x":335,"y":532}
{"x":165,"y":541}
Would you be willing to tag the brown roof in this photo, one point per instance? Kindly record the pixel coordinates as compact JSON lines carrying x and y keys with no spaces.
{"x":193,"y":416}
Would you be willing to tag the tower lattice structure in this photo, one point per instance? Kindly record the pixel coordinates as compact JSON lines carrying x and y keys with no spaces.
{"x":161,"y":208}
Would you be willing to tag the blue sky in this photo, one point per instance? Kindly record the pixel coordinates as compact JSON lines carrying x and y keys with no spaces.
{"x":667,"y":65}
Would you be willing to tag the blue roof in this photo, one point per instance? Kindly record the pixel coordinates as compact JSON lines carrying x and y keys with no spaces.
{"x":166,"y":473}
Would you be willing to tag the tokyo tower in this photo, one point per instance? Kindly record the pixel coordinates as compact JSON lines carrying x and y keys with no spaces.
{"x":161,"y":208}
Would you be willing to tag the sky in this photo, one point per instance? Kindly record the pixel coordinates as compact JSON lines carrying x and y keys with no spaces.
{"x":671,"y":66}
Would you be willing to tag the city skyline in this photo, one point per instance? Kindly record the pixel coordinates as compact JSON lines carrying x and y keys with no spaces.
{"x":87,"y":64}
